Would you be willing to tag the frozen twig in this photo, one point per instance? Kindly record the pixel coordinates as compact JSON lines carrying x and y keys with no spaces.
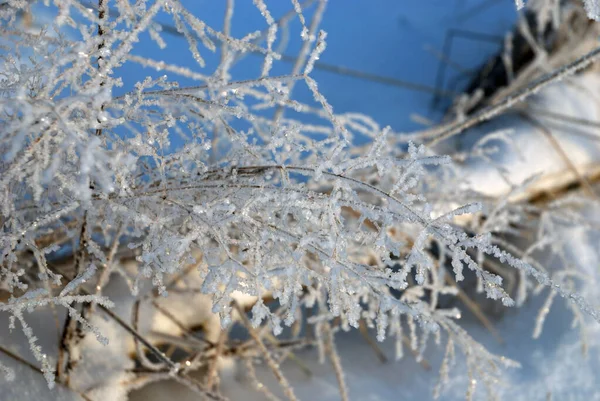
{"x":434,"y":136}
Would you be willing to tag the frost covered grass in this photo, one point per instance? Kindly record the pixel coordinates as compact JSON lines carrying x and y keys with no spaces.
{"x":150,"y":210}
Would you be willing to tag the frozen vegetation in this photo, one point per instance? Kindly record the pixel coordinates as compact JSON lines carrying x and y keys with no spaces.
{"x":188,"y":211}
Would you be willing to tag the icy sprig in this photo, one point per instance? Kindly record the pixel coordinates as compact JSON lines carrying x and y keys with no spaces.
{"x":274,"y":206}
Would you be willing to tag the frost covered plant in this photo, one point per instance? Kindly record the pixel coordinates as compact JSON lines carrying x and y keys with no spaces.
{"x":193,"y":167}
{"x":592,"y":7}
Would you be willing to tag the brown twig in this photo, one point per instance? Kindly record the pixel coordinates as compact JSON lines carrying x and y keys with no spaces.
{"x":259,"y":386}
{"x":364,"y":331}
{"x":72,"y":332}
{"x":334,"y":357}
{"x":107,"y":268}
{"x":562,"y":154}
{"x":422,"y":361}
{"x":212,"y":376}
{"x":287,"y":353}
{"x":285,"y":385}
{"x":186,"y":330}
{"x":175,"y":369}
{"x":474,"y":308}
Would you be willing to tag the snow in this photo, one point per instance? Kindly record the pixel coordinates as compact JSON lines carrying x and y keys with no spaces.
{"x":527,"y":151}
